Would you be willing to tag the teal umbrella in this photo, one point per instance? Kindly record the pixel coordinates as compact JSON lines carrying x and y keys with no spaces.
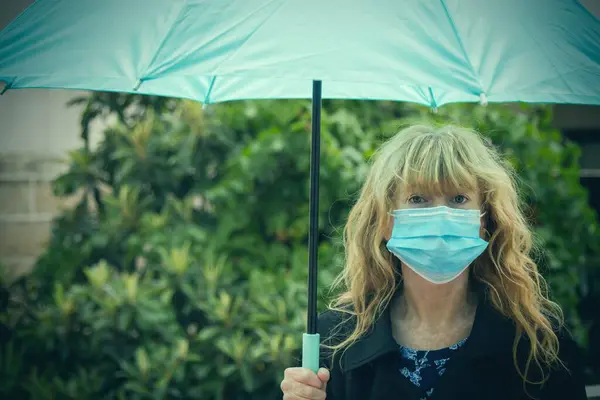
{"x":430,"y":52}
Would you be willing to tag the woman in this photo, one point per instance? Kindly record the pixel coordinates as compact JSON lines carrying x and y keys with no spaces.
{"x":441,"y":300}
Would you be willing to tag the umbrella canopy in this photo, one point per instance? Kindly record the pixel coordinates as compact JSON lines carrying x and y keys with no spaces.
{"x":430,"y":52}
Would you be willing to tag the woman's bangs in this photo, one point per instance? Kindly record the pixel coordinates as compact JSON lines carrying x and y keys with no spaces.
{"x":437,"y":168}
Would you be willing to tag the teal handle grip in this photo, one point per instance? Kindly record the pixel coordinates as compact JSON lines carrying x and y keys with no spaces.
{"x":310,"y":351}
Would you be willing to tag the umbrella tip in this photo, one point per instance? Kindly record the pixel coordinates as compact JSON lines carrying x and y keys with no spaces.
{"x":137,"y":85}
{"x":434,"y":107}
{"x":483,"y":99}
{"x":5,"y":88}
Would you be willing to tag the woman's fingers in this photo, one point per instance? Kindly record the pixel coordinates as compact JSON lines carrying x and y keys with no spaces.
{"x":323,"y":375}
{"x":304,"y":384}
{"x":304,"y":375}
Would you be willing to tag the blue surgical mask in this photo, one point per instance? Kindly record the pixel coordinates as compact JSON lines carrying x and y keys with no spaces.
{"x":438,"y":243}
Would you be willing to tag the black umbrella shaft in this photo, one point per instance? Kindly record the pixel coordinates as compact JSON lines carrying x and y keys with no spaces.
{"x":313,"y":231}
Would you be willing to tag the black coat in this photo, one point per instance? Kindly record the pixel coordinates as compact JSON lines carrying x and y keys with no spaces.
{"x":482,"y":370}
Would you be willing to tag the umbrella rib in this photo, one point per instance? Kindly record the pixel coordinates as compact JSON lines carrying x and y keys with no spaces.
{"x":248,"y":37}
{"x":171,"y":66}
{"x":461,"y":44}
{"x":209,"y":90}
{"x":7,"y":86}
{"x":559,"y":74}
{"x":164,"y":40}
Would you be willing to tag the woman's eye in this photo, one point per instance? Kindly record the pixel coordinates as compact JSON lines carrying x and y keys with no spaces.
{"x":460,"y":199}
{"x":416,"y":200}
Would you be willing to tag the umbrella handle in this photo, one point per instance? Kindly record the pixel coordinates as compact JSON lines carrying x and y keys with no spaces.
{"x":310,"y":351}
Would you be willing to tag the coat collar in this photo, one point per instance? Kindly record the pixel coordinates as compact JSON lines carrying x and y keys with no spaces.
{"x":492,"y":333}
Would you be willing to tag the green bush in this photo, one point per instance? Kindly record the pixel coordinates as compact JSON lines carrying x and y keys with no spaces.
{"x":182,"y":271}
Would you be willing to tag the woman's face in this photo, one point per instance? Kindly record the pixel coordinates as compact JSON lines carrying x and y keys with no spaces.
{"x":412,"y":198}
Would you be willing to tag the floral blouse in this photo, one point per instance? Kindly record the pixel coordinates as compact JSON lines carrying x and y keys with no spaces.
{"x":424,"y":367}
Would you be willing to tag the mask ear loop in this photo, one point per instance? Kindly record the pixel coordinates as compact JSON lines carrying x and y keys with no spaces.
{"x":477,"y":264}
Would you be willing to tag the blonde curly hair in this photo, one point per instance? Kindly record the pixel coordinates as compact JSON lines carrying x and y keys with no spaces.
{"x":439,"y":160}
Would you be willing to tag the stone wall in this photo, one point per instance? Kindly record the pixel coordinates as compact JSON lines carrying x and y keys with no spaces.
{"x":27,"y":207}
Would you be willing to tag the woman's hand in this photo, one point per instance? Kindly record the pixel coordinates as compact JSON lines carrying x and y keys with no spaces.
{"x":304,"y":384}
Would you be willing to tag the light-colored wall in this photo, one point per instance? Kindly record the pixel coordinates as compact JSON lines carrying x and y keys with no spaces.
{"x":39,"y":121}
{"x":36,"y":134}
{"x":37,"y":130}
